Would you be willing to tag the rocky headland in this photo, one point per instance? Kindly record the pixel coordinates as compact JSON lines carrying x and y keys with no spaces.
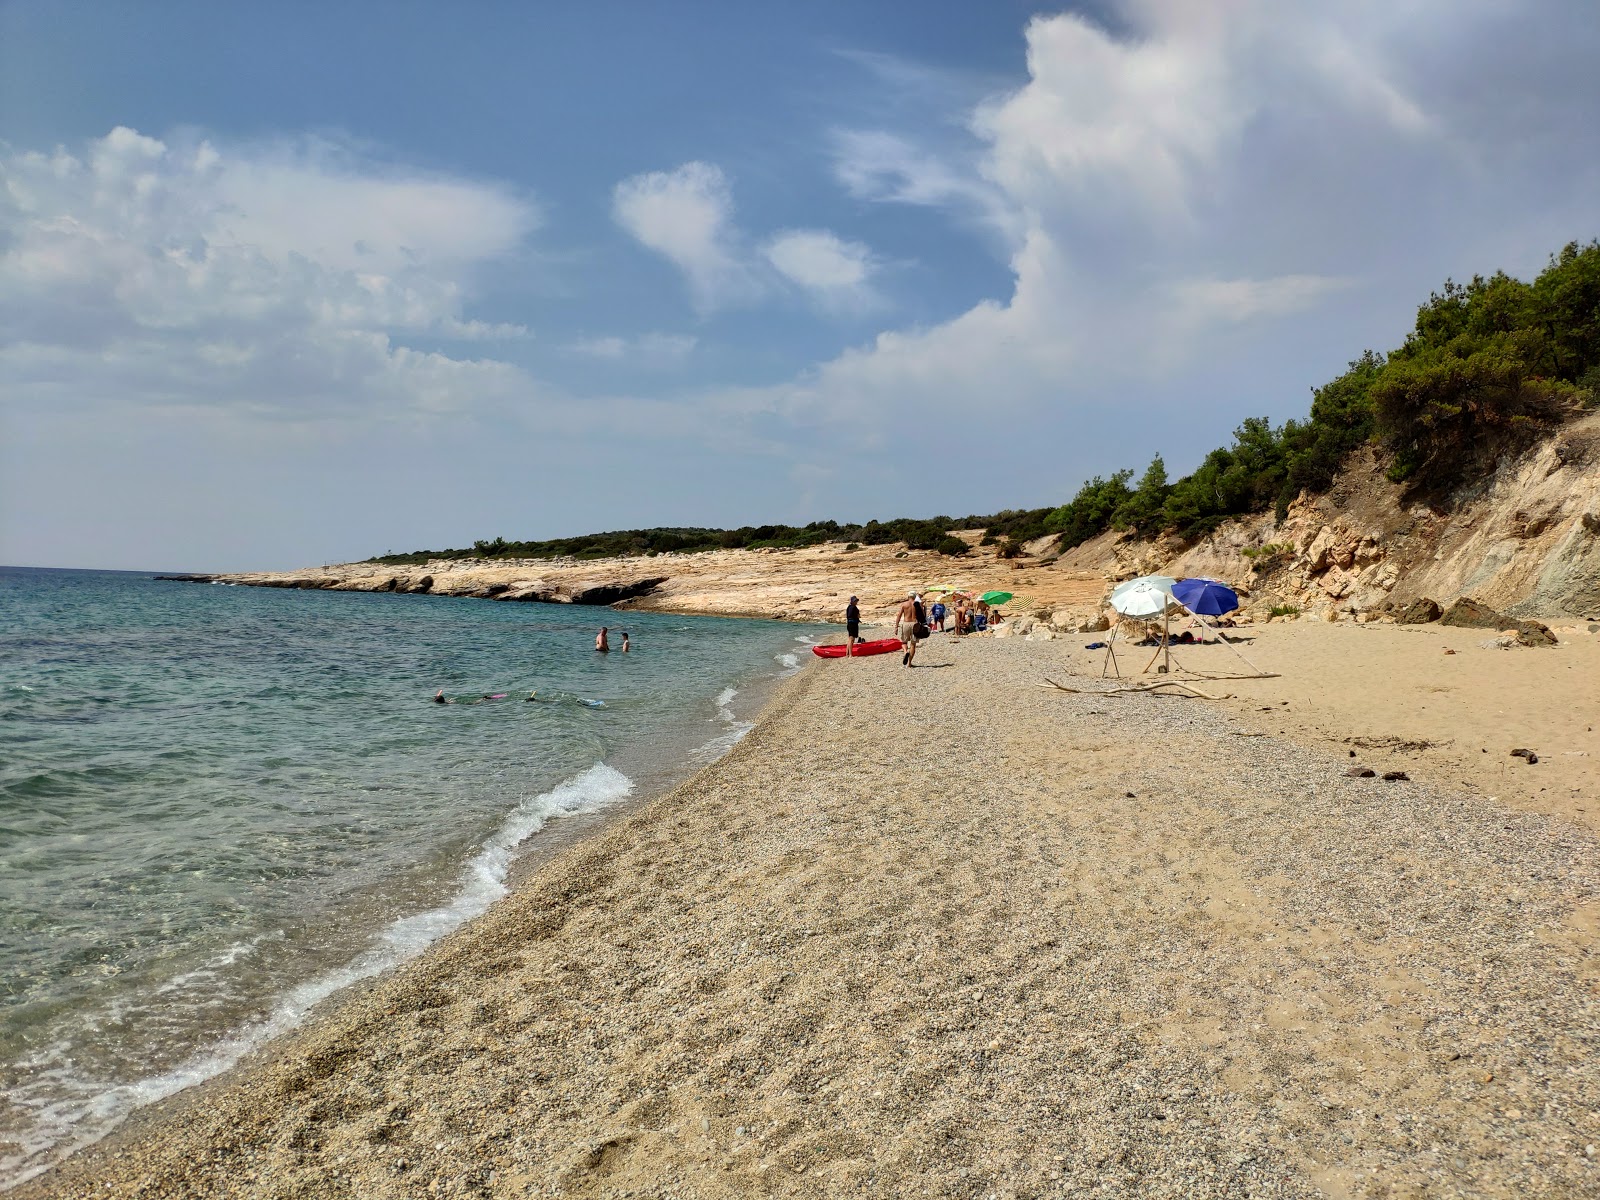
{"x":1523,"y":542}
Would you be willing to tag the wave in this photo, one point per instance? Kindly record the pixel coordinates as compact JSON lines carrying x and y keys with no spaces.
{"x":98,"y":1106}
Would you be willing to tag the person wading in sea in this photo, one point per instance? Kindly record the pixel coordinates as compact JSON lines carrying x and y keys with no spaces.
{"x":905,"y":627}
{"x":602,"y":643}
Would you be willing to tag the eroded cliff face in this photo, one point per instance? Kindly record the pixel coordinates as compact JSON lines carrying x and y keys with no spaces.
{"x":1526,"y":541}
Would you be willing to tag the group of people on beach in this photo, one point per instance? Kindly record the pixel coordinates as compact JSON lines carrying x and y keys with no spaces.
{"x":915,"y":620}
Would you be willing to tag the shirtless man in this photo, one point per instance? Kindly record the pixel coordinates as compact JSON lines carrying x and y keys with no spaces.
{"x":602,"y":642}
{"x":905,"y":628}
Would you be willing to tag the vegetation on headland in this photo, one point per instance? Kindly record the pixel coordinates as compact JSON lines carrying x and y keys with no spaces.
{"x":931,"y":534}
{"x":1490,"y":366}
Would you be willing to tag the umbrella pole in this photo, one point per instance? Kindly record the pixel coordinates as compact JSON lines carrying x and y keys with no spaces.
{"x":1160,"y":650}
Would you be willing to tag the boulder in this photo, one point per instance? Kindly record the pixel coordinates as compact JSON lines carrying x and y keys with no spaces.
{"x":1535,"y":633}
{"x":1096,"y":624}
{"x":1467,"y":613}
{"x":1419,"y":612}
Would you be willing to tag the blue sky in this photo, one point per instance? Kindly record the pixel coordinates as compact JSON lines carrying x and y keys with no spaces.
{"x":284,"y":284}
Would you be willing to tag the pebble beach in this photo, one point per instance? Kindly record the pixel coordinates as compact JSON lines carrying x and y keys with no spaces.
{"x":949,"y":932}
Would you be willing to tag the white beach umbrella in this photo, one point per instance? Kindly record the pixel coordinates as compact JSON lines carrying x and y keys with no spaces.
{"x":1165,"y":582}
{"x":1142,"y":598}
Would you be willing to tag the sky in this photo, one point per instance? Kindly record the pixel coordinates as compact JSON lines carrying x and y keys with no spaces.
{"x":299,"y":283}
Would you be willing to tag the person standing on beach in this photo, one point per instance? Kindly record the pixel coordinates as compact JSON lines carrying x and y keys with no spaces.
{"x":938,"y":616}
{"x":852,"y":621}
{"x":905,"y":628}
{"x":602,"y":643}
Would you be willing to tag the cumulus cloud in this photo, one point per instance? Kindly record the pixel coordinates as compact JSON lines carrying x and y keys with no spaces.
{"x":288,"y":276}
{"x":1188,"y":172}
{"x":686,"y":216}
{"x":832,"y":270}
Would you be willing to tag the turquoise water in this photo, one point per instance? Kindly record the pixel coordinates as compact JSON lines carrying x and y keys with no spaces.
{"x":220,"y":804}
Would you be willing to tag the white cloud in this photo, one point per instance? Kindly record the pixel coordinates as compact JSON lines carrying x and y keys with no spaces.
{"x":262,"y":278}
{"x":883,"y":167}
{"x":686,"y":216}
{"x":835,"y":272}
{"x":1105,"y":120}
{"x":648,"y":349}
{"x":1122,"y":177}
{"x":1246,"y":299}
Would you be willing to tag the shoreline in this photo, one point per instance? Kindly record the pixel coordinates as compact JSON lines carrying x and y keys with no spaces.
{"x":573,"y":835}
{"x":1090,"y":940}
{"x":651,"y":774}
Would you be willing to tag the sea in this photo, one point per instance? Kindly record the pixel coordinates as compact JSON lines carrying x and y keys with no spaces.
{"x":220,"y":805}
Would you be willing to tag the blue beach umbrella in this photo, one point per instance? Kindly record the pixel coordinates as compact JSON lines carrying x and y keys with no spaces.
{"x":1205,"y":596}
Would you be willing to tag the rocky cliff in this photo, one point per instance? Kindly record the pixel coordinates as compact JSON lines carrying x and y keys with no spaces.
{"x":1525,"y":541}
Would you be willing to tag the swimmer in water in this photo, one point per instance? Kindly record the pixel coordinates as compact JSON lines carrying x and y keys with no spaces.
{"x":601,"y":642}
{"x":438,"y":697}
{"x":624,"y":641}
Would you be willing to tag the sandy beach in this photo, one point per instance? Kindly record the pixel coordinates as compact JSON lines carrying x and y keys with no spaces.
{"x":948,"y":932}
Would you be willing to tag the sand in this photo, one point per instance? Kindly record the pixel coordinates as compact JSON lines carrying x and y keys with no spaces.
{"x":947,"y":932}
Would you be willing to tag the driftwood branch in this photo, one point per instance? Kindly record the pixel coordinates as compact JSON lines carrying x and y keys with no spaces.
{"x":1263,"y":675}
{"x":1153,"y":686}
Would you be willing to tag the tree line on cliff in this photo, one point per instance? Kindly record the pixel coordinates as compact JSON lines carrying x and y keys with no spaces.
{"x":1490,"y":367}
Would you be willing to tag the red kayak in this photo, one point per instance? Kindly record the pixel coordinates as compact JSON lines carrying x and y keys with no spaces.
{"x":860,"y":650}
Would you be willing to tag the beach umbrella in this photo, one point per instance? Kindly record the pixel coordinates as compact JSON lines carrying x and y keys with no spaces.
{"x":941,"y":590}
{"x":1206,"y":597}
{"x":1142,"y":599}
{"x":1165,"y":582}
{"x":995,"y":597}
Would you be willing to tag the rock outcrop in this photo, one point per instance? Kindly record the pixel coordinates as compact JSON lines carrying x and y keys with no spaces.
{"x":1524,"y":541}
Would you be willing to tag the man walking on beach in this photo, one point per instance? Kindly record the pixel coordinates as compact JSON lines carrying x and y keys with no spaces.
{"x":905,"y":628}
{"x":852,"y":621}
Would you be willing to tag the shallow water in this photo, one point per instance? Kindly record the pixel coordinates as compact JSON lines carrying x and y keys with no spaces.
{"x":220,"y":804}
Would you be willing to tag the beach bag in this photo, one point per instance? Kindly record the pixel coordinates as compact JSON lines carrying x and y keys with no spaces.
{"x":919,"y":631}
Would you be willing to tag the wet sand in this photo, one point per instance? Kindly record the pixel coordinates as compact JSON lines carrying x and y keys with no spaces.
{"x":947,"y":932}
